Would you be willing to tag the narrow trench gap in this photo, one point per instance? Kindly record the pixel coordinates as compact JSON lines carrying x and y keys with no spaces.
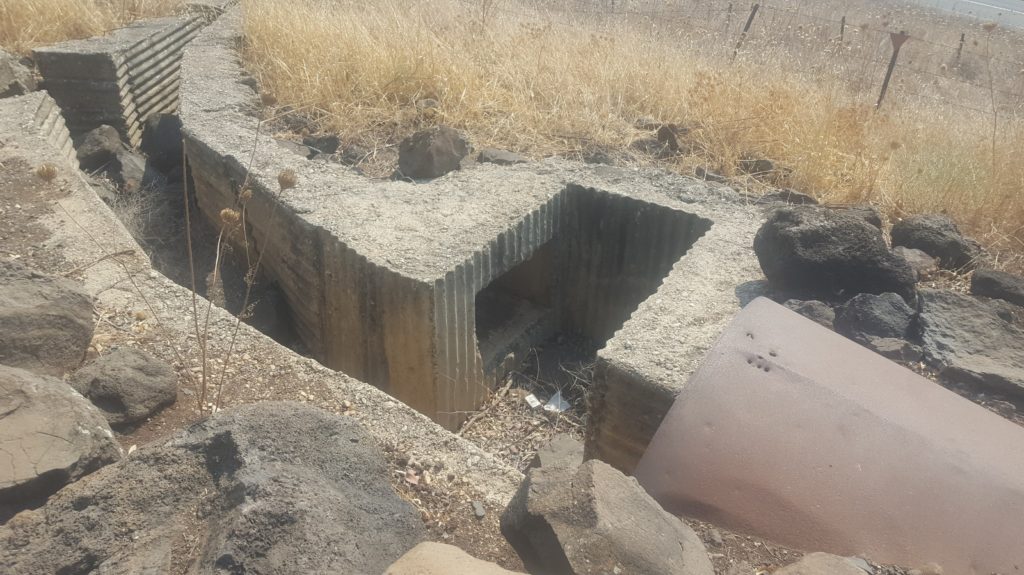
{"x":155,"y":216}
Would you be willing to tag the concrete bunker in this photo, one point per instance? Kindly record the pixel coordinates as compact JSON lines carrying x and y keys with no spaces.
{"x":384,"y":278}
{"x":607,"y":255}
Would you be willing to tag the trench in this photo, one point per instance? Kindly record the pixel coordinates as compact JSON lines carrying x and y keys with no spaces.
{"x":542,"y":298}
{"x":155,"y":216}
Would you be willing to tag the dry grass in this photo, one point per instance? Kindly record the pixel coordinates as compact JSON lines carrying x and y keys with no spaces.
{"x":518,"y":77}
{"x":27,"y":24}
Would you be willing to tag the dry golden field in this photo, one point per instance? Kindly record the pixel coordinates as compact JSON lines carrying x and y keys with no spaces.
{"x":26,"y":24}
{"x":571,"y":78}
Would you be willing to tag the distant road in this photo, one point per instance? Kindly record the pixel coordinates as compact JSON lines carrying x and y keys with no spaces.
{"x":1005,"y":12}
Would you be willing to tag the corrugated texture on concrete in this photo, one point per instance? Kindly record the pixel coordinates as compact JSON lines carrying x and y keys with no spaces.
{"x":612,"y":253}
{"x":51,"y":126}
{"x":120,"y":79}
{"x":617,"y":251}
{"x":462,"y":383}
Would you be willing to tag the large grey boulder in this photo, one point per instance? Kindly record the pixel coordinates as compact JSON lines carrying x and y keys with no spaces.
{"x":822,"y":564}
{"x":999,"y":285}
{"x":16,"y":79}
{"x":592,"y":519}
{"x":938,"y":236}
{"x":49,"y":436}
{"x":432,"y":153}
{"x":822,"y":254}
{"x":127,"y":385}
{"x":46,"y":322}
{"x":268,"y":488}
{"x":971,"y":343}
{"x":99,"y":148}
{"x":867,"y":315}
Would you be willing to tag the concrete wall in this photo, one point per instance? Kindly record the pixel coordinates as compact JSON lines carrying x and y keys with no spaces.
{"x":120,"y":79}
{"x":51,"y":126}
{"x":617,"y":251}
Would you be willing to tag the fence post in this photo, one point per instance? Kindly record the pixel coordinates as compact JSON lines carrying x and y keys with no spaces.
{"x":746,"y":28}
{"x":842,"y":29}
{"x":898,"y":38}
{"x":960,"y":48}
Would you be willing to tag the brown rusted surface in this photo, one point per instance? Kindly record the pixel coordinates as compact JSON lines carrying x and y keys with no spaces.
{"x":794,"y":433}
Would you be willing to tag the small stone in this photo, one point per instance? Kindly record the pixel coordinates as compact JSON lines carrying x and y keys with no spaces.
{"x":885,"y":316}
{"x":432,"y":153}
{"x":937,"y":235}
{"x":707,"y":175}
{"x":923,"y":264}
{"x":756,"y":166}
{"x":478,"y":510}
{"x":716,"y":538}
{"x":788,"y":196}
{"x":500,"y":157}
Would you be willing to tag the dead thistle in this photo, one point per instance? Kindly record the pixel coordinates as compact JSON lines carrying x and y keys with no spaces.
{"x":47,"y":172}
{"x":287,"y":179}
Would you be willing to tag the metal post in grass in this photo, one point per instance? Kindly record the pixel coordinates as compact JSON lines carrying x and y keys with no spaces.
{"x":960,"y":48}
{"x":898,"y":39}
{"x":746,"y":28}
{"x":842,"y":30}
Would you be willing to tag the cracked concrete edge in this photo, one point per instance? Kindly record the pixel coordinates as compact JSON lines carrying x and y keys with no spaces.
{"x":84,"y":230}
{"x":655,"y":351}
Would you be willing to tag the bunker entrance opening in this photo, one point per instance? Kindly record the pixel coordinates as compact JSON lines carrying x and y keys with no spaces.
{"x":550,"y":314}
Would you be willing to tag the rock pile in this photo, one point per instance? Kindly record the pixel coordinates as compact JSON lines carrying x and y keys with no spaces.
{"x":815,"y":253}
{"x":847,"y":277}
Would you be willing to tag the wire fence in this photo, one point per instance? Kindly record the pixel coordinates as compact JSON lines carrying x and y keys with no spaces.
{"x":967,"y":74}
